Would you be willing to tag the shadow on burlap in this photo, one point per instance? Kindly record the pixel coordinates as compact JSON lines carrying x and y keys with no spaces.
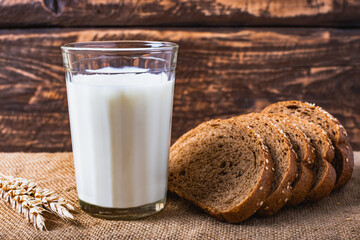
{"x":336,"y":217}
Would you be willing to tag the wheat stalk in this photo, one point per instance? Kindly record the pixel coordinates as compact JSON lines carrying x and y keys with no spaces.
{"x":32,"y":201}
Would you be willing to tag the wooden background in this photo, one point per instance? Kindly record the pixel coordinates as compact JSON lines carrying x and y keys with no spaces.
{"x":235,"y":57}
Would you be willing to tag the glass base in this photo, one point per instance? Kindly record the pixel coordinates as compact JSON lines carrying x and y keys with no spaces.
{"x":123,"y":213}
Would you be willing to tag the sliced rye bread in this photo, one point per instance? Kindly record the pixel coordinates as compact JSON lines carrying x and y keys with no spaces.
{"x":344,"y":158}
{"x":305,"y":157}
{"x":222,"y":167}
{"x":325,"y":174}
{"x":284,"y":158}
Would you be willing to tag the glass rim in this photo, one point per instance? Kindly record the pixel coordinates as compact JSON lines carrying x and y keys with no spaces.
{"x":143,"y":46}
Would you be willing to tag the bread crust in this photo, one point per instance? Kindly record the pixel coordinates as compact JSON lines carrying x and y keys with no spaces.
{"x":282,"y":194}
{"x":323,"y":188}
{"x":344,"y":161}
{"x":344,"y":158}
{"x":305,"y":177}
{"x":302,"y":187}
{"x":325,"y":184}
{"x":257,"y":196}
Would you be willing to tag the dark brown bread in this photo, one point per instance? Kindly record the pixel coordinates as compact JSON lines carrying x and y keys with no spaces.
{"x":284,"y":158}
{"x":222,"y":167}
{"x":305,"y":157}
{"x":344,"y":158}
{"x":325,"y":175}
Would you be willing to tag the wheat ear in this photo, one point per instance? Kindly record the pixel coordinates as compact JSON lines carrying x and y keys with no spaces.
{"x":32,"y":201}
{"x":54,"y":203}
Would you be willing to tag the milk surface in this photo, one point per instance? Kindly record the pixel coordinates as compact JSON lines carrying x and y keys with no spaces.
{"x":120,"y":129}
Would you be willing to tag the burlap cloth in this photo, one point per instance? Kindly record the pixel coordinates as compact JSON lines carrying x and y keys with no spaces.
{"x":336,"y":217}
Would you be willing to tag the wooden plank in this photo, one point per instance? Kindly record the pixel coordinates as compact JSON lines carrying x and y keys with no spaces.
{"x":179,"y":13}
{"x":220,"y":73}
{"x":34,"y":132}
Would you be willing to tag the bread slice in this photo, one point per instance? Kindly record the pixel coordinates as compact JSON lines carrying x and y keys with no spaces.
{"x":222,"y":167}
{"x":344,"y":158}
{"x":305,"y":157}
{"x":325,"y":175}
{"x":284,"y":158}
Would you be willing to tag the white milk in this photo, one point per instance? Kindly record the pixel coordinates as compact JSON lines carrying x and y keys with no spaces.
{"x":120,"y":128}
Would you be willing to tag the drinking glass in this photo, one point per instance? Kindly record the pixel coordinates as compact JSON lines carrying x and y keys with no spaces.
{"x":120,"y":98}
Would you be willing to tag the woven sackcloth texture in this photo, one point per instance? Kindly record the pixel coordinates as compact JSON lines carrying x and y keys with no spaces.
{"x":336,"y":217}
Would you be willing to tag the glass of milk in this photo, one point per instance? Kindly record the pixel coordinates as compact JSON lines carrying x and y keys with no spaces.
{"x":120,"y":97}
